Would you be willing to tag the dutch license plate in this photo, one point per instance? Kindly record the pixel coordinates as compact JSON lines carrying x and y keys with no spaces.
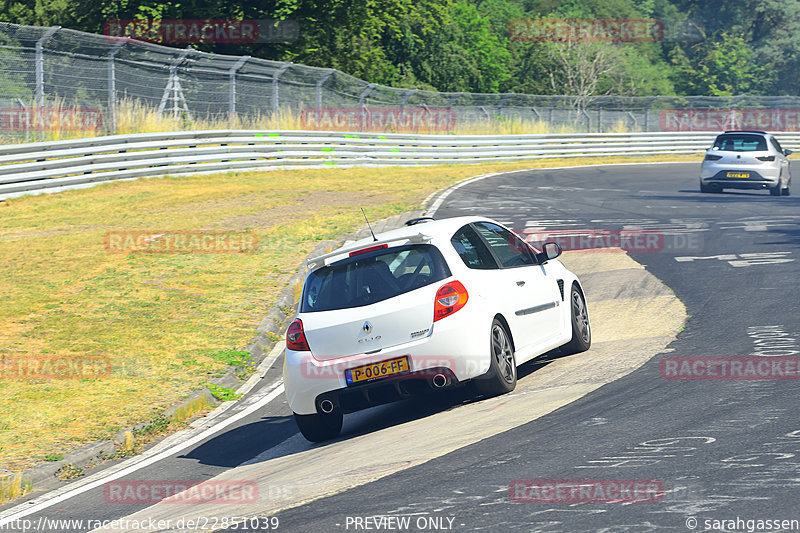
{"x":382,"y":369}
{"x":738,"y":174}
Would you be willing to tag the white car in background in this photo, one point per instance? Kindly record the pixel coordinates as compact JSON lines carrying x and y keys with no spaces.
{"x":426,"y":307}
{"x":751,"y":160}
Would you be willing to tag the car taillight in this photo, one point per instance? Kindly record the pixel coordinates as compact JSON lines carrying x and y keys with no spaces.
{"x":370,"y":249}
{"x":296,"y":337}
{"x":766,"y":158}
{"x":712,"y":157}
{"x":449,"y":298}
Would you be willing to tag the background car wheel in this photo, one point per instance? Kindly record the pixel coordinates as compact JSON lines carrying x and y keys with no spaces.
{"x":581,"y":328}
{"x":320,"y":427}
{"x":502,"y":375}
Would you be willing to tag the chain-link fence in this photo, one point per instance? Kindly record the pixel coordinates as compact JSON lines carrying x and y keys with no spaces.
{"x":77,"y":79}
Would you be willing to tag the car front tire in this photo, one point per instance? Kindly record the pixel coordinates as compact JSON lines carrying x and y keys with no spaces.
{"x":320,"y":427}
{"x":581,"y":327}
{"x":502,"y":375}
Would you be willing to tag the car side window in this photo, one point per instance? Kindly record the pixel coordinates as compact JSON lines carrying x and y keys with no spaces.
{"x":777,"y":145}
{"x":472,"y":249}
{"x":510,"y":250}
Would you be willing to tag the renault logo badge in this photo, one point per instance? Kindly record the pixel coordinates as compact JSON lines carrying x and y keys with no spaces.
{"x":367,"y":327}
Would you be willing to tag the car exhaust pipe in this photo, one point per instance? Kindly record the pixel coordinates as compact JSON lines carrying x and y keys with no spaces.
{"x":326,"y":406}
{"x":440,"y":380}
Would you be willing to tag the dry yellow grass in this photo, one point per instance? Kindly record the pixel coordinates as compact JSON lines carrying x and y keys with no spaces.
{"x":12,"y":487}
{"x":135,"y":116}
{"x":159,"y":318}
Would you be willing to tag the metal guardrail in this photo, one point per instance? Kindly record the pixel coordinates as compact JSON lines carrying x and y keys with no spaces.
{"x":60,"y":165}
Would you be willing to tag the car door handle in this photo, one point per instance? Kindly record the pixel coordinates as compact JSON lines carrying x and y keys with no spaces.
{"x":520,"y":283}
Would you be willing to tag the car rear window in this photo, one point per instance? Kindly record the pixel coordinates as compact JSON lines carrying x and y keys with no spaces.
{"x":373,"y":277}
{"x":738,"y":142}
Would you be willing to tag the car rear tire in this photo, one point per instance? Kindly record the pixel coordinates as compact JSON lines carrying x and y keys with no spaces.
{"x":320,"y":427}
{"x":705,"y":188}
{"x":502,"y":375}
{"x":581,"y":327}
{"x":776,"y":190}
{"x":786,"y":191}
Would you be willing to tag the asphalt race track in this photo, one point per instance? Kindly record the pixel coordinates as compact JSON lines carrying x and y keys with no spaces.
{"x":720,"y":450}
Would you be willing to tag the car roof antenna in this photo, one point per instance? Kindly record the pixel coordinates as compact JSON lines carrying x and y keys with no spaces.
{"x":374,"y":238}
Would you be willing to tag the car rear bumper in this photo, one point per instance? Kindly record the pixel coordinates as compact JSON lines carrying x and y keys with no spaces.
{"x":756,"y":180}
{"x":457,"y":349}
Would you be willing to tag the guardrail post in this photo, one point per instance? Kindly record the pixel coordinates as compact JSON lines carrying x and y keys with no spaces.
{"x":320,"y":83}
{"x":232,"y":87}
{"x":275,"y":78}
{"x":112,"y":84}
{"x":40,"y":64}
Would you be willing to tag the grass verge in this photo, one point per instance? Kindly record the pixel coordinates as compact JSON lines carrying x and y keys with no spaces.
{"x":167,"y":323}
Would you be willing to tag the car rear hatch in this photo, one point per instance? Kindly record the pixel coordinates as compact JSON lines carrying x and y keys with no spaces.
{"x":735,"y":150}
{"x":373,"y":301}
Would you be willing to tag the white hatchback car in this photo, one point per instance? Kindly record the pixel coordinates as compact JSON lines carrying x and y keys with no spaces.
{"x":746,"y":160}
{"x":426,"y":307}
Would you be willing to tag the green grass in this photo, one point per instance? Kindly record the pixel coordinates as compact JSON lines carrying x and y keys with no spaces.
{"x":223,"y":394}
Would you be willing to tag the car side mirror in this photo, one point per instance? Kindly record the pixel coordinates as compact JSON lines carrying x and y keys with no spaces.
{"x":787,"y":152}
{"x":550,"y":250}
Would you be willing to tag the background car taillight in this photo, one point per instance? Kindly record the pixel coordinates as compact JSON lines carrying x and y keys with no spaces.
{"x":296,"y":337}
{"x":449,"y":298}
{"x":766,"y":158}
{"x":712,"y":157}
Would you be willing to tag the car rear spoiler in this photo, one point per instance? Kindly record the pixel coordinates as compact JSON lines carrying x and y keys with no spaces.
{"x":320,"y":261}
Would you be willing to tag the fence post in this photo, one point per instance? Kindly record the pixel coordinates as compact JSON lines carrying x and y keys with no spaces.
{"x":112,"y":84}
{"x":365,"y":93}
{"x":275,"y":78}
{"x":40,"y":63}
{"x":600,"y":118}
{"x":406,"y":97}
{"x":232,"y":87}
{"x":174,"y":86}
{"x":320,"y":83}
{"x":501,"y":101}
